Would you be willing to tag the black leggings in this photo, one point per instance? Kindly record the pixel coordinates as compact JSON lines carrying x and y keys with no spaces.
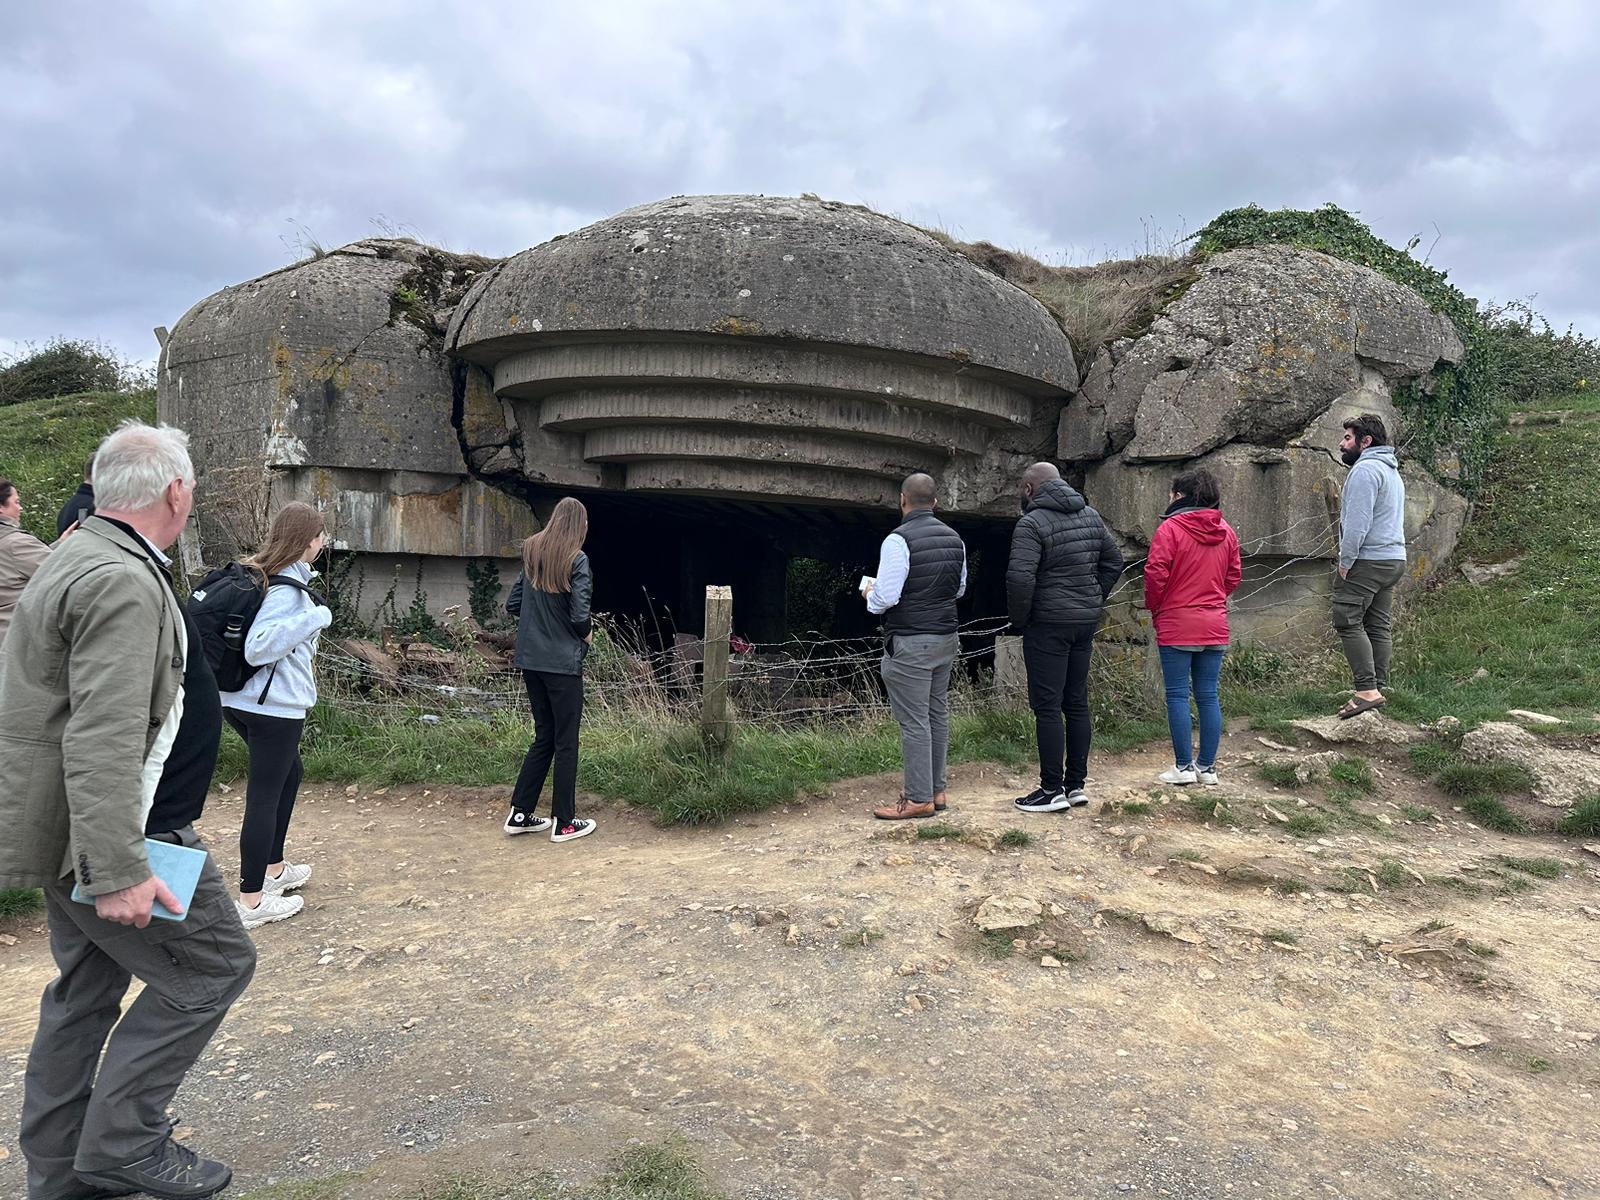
{"x":275,"y":771}
{"x":557,"y":702}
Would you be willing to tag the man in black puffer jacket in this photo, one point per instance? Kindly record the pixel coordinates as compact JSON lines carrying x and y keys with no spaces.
{"x":1063,"y":565}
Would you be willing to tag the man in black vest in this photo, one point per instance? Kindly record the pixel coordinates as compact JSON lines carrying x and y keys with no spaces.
{"x":922,"y":572}
{"x":1063,"y":565}
{"x":81,"y":506}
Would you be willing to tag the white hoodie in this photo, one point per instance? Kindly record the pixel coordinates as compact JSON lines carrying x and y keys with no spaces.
{"x":281,"y":643}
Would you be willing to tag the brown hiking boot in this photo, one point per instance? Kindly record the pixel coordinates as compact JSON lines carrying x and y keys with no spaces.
{"x":903,"y":809}
{"x":940,"y":803}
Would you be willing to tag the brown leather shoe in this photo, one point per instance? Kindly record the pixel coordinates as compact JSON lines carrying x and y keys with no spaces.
{"x":903,"y":810}
{"x":939,"y":802}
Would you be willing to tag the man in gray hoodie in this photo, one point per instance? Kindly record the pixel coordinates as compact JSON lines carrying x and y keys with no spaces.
{"x":1372,"y":557}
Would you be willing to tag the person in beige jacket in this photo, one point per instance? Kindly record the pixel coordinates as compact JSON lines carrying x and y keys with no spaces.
{"x":90,"y":701}
{"x":20,"y":554}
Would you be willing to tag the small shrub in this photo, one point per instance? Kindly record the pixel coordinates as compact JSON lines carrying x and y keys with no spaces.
{"x":1539,"y":1066}
{"x":1016,"y":839}
{"x":1391,"y":874}
{"x":1415,"y":812}
{"x":1583,"y":819}
{"x":1355,"y":773}
{"x":1290,"y":887}
{"x":1287,"y":936}
{"x":1539,"y":868}
{"x":1496,"y":779}
{"x":63,"y":367}
{"x":1491,"y":812}
{"x":1279,"y":774}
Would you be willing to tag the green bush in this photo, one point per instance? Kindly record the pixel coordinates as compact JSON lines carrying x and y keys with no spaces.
{"x":43,"y":445}
{"x":1583,"y":819}
{"x":63,"y":367}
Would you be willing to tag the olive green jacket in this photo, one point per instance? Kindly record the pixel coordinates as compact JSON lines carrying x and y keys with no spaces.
{"x":88,"y":674}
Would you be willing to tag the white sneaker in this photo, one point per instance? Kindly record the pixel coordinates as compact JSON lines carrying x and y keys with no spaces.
{"x":294,"y":875}
{"x":1179,"y":775}
{"x":1208,"y":775}
{"x":273,"y":907}
{"x":518,"y":821}
{"x":575,"y":829}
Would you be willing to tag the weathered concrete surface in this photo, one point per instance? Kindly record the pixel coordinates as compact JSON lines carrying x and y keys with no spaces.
{"x":326,"y":382}
{"x":1258,"y":348}
{"x":749,"y":347}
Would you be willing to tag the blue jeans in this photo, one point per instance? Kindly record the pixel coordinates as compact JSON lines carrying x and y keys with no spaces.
{"x":1181,"y":670}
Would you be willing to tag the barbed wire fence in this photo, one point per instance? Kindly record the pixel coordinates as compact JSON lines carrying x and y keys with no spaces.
{"x":800,"y":680}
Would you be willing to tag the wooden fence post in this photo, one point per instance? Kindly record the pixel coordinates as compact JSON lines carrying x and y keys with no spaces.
{"x":715,"y":726}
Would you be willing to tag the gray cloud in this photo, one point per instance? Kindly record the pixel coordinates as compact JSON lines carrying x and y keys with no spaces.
{"x":158,"y":151}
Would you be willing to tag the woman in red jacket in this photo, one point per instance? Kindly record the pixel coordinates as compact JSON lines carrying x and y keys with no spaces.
{"x":1192,"y":569}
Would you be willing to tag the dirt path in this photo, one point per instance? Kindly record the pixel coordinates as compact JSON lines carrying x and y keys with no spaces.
{"x":804,"y":996}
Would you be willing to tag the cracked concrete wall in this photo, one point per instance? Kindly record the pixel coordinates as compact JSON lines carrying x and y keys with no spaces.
{"x":319,"y":382}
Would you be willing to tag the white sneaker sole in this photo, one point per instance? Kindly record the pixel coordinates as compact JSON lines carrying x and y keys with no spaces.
{"x":540,"y":824}
{"x":572,"y":837}
{"x":254,"y":919}
{"x":1053,"y":806}
{"x":283,"y":889}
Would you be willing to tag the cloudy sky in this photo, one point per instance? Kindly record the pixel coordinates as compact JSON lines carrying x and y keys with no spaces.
{"x":154,"y":152}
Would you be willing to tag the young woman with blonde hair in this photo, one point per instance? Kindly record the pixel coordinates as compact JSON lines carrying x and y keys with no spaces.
{"x":551,"y":603}
{"x":269,"y":711}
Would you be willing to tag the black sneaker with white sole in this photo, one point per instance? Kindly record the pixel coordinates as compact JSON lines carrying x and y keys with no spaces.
{"x":1077,"y":798}
{"x":525,"y":822}
{"x":1042,"y":800}
{"x":572,"y":829}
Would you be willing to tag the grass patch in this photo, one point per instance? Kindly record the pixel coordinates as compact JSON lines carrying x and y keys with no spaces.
{"x":997,"y":943}
{"x":938,"y":832}
{"x":1491,"y":812}
{"x":657,"y":765}
{"x":1391,"y":874}
{"x":1308,"y":822}
{"x":1429,"y":758}
{"x":20,"y":902}
{"x":1583,"y":819}
{"x":1539,"y":868}
{"x":1495,"y":779}
{"x":1287,"y":936}
{"x":1290,"y":887}
{"x":1538,"y":1066}
{"x":1016,"y":839}
{"x":1136,"y":808}
{"x":43,"y":444}
{"x":1415,"y":812}
{"x":1205,"y":808}
{"x":861,"y":939}
{"x":1279,"y":774}
{"x":1188,"y":856}
{"x":1354,"y":773}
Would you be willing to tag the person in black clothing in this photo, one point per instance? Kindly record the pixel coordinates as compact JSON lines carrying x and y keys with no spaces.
{"x":81,"y":504}
{"x":1063,"y":565}
{"x":554,"y":631}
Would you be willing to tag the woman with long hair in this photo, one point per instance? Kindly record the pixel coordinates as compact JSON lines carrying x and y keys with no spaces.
{"x":1193,"y":568}
{"x":551,"y":603}
{"x":269,"y":711}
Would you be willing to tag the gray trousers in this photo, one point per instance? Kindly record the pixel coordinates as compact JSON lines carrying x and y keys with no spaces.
{"x":916,"y":671}
{"x":76,"y":1120}
{"x":1363,"y":617}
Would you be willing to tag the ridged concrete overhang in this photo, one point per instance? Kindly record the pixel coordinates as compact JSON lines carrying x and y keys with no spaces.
{"x":746,"y":346}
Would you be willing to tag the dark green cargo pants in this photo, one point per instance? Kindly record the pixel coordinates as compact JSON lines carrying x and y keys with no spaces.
{"x":1363,"y":617}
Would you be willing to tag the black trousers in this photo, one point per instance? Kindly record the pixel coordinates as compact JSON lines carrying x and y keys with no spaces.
{"x":557,"y":702}
{"x":1057,"y":659}
{"x":275,"y":773}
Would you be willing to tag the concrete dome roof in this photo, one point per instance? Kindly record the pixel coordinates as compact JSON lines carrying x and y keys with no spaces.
{"x":759,"y":267}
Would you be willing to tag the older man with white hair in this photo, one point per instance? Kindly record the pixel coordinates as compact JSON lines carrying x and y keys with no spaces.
{"x":90,"y":703}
